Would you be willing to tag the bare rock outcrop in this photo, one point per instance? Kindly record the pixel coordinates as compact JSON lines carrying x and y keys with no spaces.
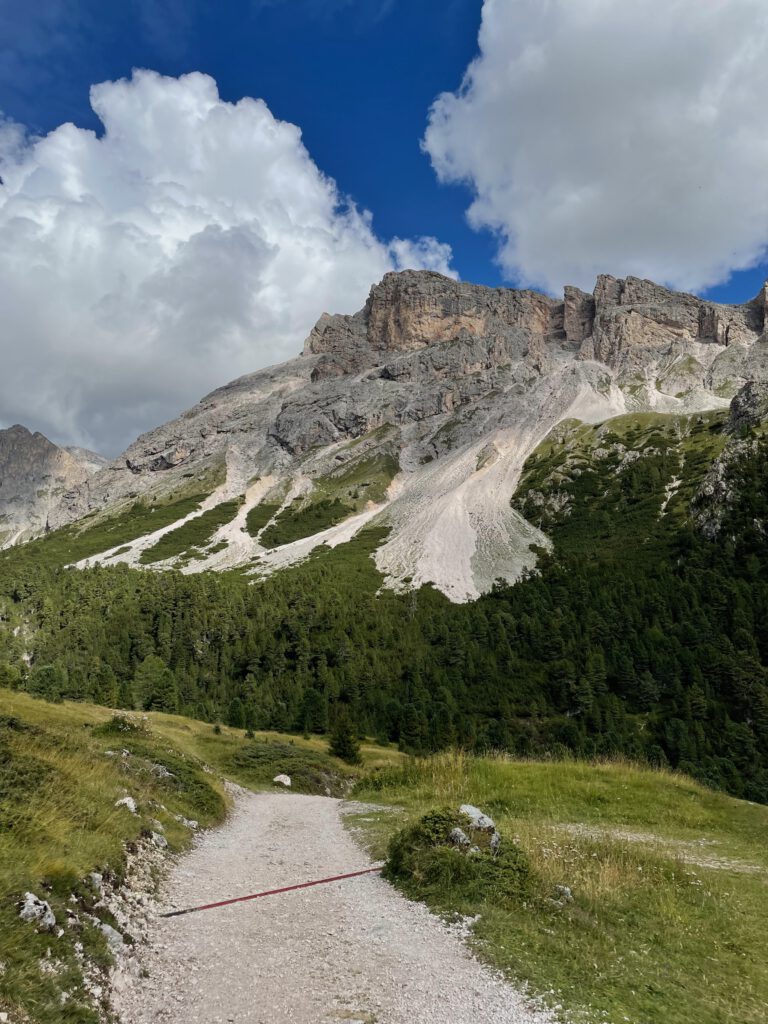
{"x":34,"y":475}
{"x":430,"y":376}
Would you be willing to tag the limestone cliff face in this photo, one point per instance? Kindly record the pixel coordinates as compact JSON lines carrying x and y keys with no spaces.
{"x":34,"y":475}
{"x":453,"y":383}
{"x":638,"y":326}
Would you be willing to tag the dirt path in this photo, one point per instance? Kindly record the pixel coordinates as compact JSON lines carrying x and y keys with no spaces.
{"x":349,"y":951}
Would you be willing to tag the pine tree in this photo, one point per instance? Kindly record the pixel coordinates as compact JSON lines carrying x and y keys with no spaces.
{"x":236,"y":717}
{"x":344,"y":743}
{"x":154,"y":686}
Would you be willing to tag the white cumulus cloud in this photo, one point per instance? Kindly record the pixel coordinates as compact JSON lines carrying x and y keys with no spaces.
{"x":614,"y":136}
{"x":192,"y":241}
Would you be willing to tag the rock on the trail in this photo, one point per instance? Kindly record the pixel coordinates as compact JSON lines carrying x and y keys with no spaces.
{"x":114,"y":939}
{"x":127,"y":801}
{"x":37,"y":911}
{"x":480,"y":821}
{"x":283,"y":780}
{"x":160,"y":841}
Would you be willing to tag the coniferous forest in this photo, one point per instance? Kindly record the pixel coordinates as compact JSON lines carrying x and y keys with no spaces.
{"x":636,"y":635}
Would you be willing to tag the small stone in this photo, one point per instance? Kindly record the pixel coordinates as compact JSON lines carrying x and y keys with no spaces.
{"x":114,"y":939}
{"x":283,"y":780}
{"x":564,"y":892}
{"x":127,"y":801}
{"x":37,"y":911}
{"x":458,"y":837}
{"x":187,"y":822}
{"x":160,"y":841}
{"x":479,"y":820}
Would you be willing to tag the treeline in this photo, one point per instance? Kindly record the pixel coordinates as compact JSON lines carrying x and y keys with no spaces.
{"x":660,"y":658}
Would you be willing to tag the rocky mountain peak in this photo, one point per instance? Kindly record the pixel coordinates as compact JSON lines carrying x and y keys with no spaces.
{"x":417,"y":413}
{"x":412,"y":310}
{"x":34,"y":475}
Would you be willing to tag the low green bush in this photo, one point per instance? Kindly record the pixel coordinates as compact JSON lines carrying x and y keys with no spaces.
{"x":426,"y":864}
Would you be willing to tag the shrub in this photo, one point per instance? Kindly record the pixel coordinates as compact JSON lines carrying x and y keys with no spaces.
{"x":120,"y":725}
{"x":423,"y":861}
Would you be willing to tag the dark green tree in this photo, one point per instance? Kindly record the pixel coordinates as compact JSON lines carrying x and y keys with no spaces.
{"x":344,"y":743}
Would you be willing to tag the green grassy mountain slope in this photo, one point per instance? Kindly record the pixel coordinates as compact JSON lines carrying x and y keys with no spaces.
{"x":640,"y":632}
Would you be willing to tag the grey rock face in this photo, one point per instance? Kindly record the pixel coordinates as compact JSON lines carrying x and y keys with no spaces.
{"x":749,"y":407}
{"x":453,"y":383}
{"x":718,"y":492}
{"x":34,"y":475}
{"x":636,"y":320}
{"x":458,"y":837}
{"x":719,"y":489}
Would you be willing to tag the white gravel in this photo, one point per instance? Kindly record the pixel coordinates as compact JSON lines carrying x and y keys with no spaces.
{"x":348,"y":951}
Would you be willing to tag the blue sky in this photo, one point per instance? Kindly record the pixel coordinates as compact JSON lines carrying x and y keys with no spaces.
{"x":167,"y":230}
{"x":357,"y":76}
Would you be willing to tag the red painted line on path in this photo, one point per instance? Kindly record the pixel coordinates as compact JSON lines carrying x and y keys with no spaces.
{"x":270,"y":892}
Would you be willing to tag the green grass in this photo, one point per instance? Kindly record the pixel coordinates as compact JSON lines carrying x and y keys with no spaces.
{"x":304,"y":519}
{"x":669,"y":879}
{"x":193,"y":534}
{"x":259,"y":516}
{"x":59,"y":822}
{"x":335,"y":497}
{"x":667,"y":926}
{"x":221,"y":750}
{"x":93,"y":535}
{"x":365,"y":480}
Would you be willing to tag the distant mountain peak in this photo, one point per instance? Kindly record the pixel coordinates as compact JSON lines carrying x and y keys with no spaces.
{"x":34,"y":475}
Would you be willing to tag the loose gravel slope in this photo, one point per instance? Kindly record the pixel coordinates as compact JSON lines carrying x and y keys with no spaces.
{"x":348,"y":951}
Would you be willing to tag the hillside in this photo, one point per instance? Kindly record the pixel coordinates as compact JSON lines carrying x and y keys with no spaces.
{"x":642,"y":894}
{"x":415,"y":417}
{"x":638,"y":626}
{"x":642,"y":632}
{"x":666,"y":878}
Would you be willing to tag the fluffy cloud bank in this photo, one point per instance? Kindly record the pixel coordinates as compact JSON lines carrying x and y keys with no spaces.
{"x":606,"y":135}
{"x":194,"y":240}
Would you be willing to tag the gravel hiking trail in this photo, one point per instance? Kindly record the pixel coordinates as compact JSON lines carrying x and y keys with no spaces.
{"x":350,"y":951}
